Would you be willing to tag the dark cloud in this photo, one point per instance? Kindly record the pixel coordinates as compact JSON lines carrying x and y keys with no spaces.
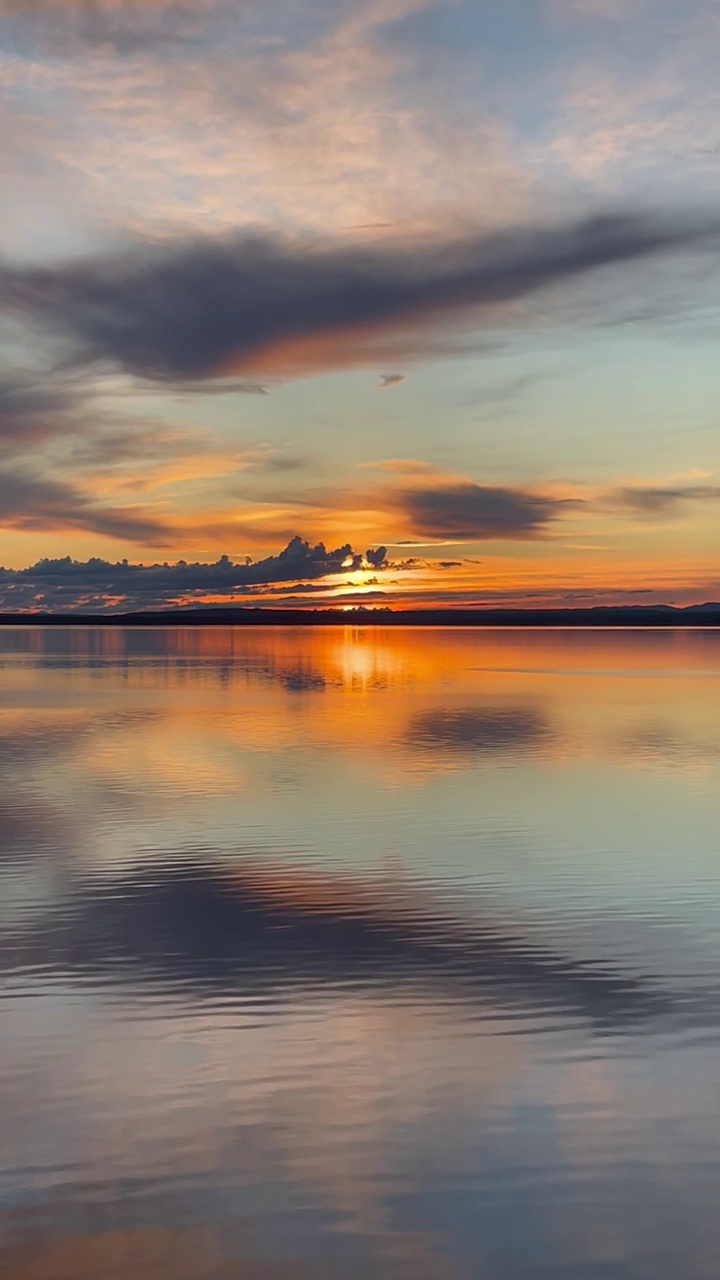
{"x":33,"y":409}
{"x":193,"y":309}
{"x":376,"y":558}
{"x":659,"y":499}
{"x":31,"y":503}
{"x":67,"y":584}
{"x":478,"y":730}
{"x":473,"y":512}
{"x":86,"y":421}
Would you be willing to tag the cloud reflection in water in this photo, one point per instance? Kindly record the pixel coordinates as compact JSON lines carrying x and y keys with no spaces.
{"x":358,"y":953}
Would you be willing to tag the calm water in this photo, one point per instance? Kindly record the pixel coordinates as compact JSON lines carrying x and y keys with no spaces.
{"x":349,"y":954}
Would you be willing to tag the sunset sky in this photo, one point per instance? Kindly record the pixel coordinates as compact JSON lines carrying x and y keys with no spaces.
{"x":436,"y":280}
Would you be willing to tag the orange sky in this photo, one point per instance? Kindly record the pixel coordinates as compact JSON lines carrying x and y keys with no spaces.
{"x":371,"y":300}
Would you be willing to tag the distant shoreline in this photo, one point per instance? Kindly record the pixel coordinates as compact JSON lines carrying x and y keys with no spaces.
{"x":664,"y":616}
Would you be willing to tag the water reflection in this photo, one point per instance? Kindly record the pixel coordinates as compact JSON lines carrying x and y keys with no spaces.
{"x":337,"y":954}
{"x":479,"y":729}
{"x":264,"y":928}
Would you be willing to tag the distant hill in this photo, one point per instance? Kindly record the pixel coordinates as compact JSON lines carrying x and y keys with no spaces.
{"x":697,"y":615}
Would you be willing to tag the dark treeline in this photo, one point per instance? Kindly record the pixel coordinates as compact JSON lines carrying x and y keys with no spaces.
{"x":707,"y":615}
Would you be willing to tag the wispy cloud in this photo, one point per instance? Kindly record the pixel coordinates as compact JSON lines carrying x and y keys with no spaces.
{"x":658,"y":500}
{"x":34,"y":8}
{"x":33,"y":409}
{"x":403,"y":466}
{"x":30,"y":503}
{"x":317,"y":119}
{"x":646,"y":120}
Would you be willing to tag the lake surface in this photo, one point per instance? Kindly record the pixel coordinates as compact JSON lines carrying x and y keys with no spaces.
{"x":337,"y":954}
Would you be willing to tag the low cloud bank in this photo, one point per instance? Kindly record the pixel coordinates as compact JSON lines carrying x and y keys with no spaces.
{"x":97,"y":585}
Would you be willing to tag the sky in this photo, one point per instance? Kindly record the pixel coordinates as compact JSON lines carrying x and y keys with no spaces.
{"x":388,"y":302}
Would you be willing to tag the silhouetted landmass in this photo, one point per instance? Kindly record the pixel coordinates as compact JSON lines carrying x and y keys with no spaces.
{"x":702,"y":615}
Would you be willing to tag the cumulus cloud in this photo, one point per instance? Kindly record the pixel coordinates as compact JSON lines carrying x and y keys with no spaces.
{"x":96,"y":584}
{"x":376,"y":558}
{"x":204,"y":307}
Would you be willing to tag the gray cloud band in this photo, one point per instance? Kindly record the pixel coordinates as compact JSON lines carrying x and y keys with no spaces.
{"x":192,"y":309}
{"x":474,"y":512}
